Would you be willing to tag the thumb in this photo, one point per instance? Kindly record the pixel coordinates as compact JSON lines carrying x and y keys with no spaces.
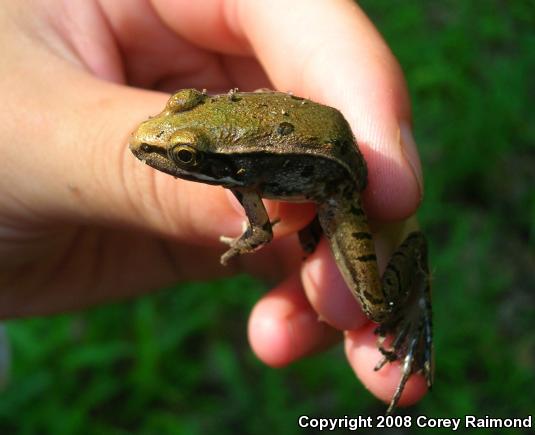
{"x":72,"y":163}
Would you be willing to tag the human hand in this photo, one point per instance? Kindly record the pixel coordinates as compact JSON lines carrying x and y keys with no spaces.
{"x":81,"y":221}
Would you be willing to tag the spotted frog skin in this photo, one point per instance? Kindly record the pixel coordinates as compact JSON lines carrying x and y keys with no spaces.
{"x":276,"y":145}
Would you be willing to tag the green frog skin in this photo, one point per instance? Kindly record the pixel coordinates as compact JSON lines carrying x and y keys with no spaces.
{"x":279,"y":146}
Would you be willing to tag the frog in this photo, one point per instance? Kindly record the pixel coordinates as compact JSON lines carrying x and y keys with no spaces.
{"x":276,"y":145}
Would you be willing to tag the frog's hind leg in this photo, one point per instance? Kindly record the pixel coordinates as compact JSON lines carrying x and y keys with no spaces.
{"x":406,"y":279}
{"x":309,"y":237}
{"x":256,"y":234}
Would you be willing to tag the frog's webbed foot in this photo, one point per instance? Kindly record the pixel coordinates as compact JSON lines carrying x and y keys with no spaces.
{"x":411,"y":329}
{"x":255,"y":234}
{"x":412,"y":345}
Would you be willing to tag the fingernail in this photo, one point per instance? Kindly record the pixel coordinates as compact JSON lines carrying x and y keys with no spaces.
{"x":410,"y":152}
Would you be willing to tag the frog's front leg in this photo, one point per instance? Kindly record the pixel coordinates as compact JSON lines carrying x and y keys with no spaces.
{"x":257,"y":233}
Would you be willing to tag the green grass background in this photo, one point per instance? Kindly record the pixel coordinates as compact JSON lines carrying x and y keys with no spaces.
{"x":177,"y":361}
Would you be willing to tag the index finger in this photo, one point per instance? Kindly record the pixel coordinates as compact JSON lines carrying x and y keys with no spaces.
{"x":334,"y":55}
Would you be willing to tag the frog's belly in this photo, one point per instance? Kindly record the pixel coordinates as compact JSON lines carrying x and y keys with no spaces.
{"x":296,"y":178}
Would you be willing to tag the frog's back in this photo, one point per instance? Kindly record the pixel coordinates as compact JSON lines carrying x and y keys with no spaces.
{"x":278,"y":123}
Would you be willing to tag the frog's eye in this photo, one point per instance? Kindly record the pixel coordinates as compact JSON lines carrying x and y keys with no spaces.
{"x":184,"y":155}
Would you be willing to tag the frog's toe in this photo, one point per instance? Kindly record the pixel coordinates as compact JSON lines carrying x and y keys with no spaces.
{"x":237,"y":247}
{"x":252,"y":239}
{"x":227,"y":256}
{"x":232,"y":240}
{"x":233,"y":251}
{"x":410,"y":348}
{"x":406,"y":371}
{"x":227,"y":240}
{"x":412,"y":343}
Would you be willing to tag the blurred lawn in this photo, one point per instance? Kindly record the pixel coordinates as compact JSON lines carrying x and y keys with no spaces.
{"x":178,"y":361}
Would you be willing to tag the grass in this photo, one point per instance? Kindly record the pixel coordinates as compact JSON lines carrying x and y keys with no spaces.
{"x":163,"y":364}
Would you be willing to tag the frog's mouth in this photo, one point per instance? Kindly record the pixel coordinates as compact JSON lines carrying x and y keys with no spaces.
{"x":153,"y":156}
{"x":211,"y":170}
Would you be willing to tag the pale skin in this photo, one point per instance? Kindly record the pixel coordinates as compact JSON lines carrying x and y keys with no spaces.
{"x":83,"y":222}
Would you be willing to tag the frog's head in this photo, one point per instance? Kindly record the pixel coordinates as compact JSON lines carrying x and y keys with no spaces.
{"x":170,"y":144}
{"x":185,"y":153}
